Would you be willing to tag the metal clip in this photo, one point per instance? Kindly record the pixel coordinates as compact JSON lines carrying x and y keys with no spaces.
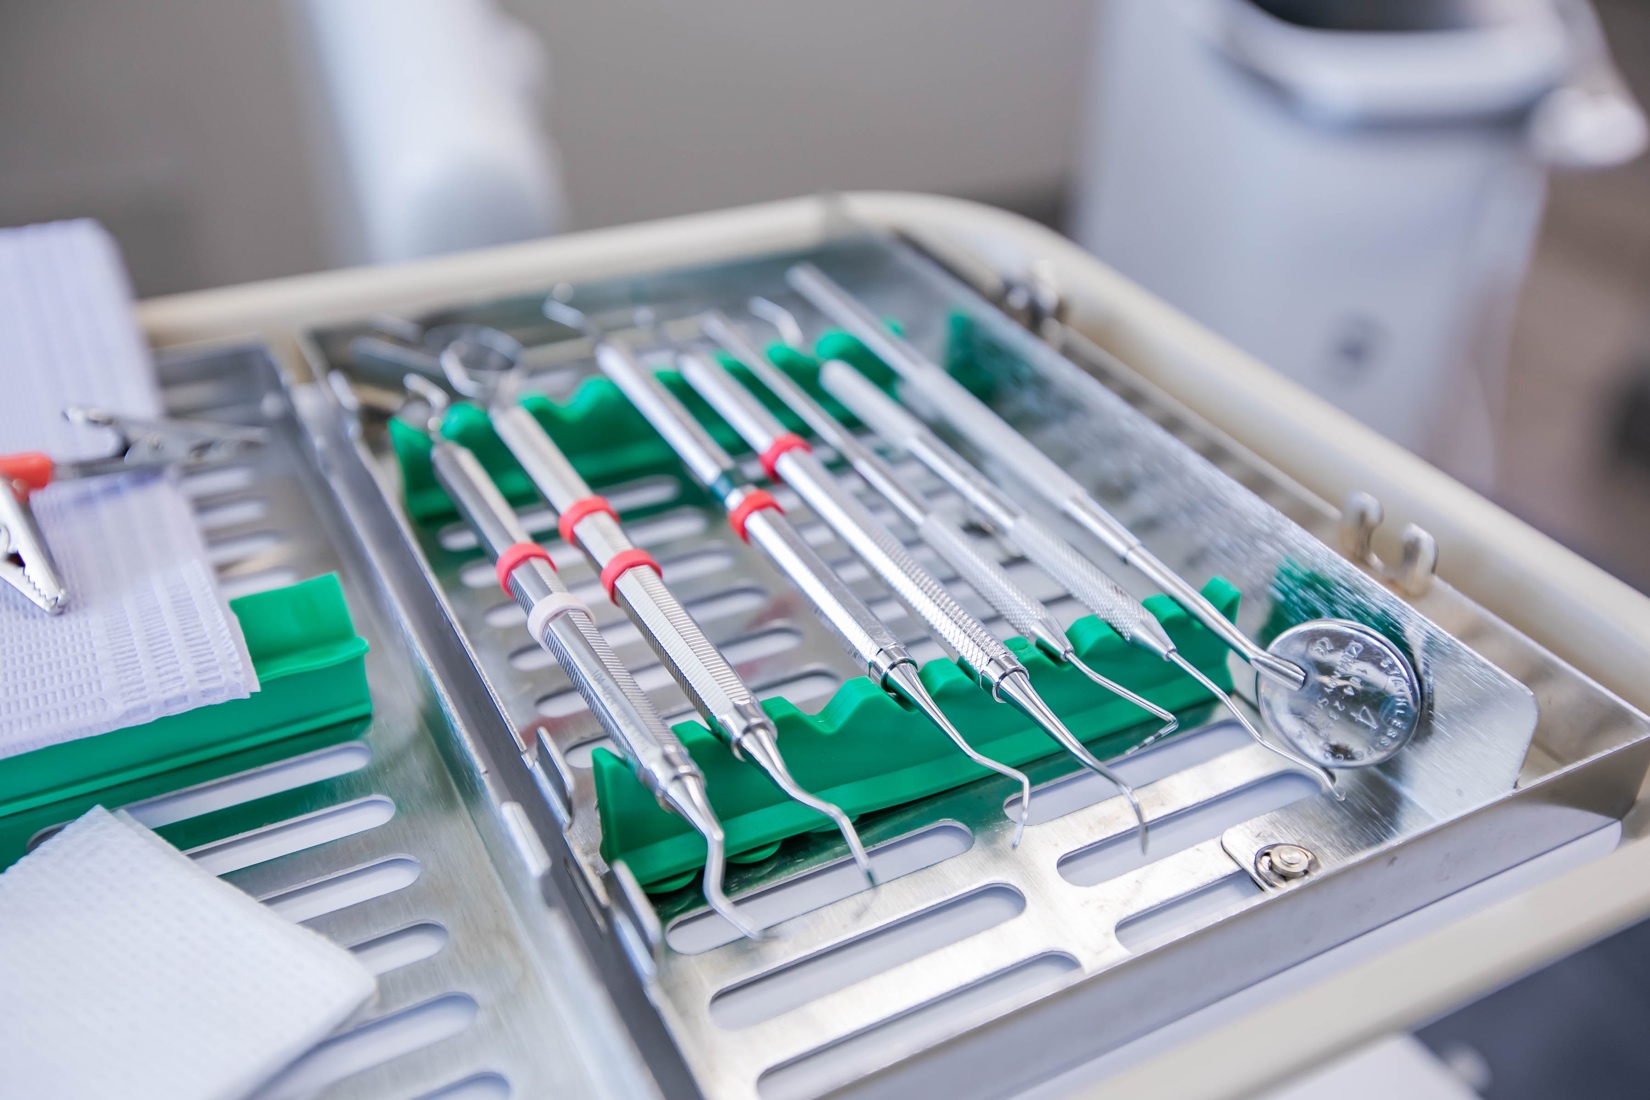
{"x":640,"y":933}
{"x":154,"y":444}
{"x":25,"y":563}
{"x":1360,"y":516}
{"x":1032,"y":297}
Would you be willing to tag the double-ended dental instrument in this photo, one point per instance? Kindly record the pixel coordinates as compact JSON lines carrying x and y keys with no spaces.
{"x":786,"y":457}
{"x":633,"y":580}
{"x":1025,"y":614}
{"x":563,"y":625}
{"x":757,"y":518}
{"x":1334,"y":721}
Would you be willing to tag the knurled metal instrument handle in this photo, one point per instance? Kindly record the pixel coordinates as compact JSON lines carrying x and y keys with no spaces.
{"x":696,"y":447}
{"x":538,"y":454}
{"x":630,"y":720}
{"x":1044,"y":548}
{"x":982,"y":574}
{"x":967,"y":413}
{"x":904,"y":432}
{"x":695,"y":661}
{"x":1085,"y":581}
{"x":853,"y":522}
{"x":697,"y":665}
{"x":719,"y":328}
{"x":834,"y":603}
{"x":1048,"y":551}
{"x":641,"y":736}
{"x":974,"y":419}
{"x":919,"y":589}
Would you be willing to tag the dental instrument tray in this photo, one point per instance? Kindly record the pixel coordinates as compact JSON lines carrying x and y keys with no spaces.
{"x":1343,"y":745}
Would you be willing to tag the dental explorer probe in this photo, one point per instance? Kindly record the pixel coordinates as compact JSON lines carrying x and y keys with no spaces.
{"x":786,"y":457}
{"x":632,"y":580}
{"x":974,"y":419}
{"x":1026,"y":615}
{"x":563,"y":625}
{"x":1045,"y":549}
{"x":758,"y":519}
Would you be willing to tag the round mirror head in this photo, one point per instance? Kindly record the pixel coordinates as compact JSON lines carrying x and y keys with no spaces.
{"x":474,"y":358}
{"x":1361,"y":701}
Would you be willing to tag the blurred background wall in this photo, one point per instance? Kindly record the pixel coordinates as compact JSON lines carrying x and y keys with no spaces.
{"x":184,"y":124}
{"x":188,"y":126}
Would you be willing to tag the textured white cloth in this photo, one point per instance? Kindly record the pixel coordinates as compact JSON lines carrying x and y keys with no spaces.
{"x":126,"y":971}
{"x":146,"y":632}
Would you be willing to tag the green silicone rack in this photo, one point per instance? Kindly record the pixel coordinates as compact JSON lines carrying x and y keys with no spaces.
{"x":311,"y":668}
{"x":862,"y":750}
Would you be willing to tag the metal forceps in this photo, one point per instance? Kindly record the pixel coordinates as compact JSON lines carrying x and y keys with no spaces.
{"x":141,"y":444}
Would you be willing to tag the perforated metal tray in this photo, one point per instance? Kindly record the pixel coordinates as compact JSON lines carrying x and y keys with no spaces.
{"x":371,"y":841}
{"x":995,"y":968}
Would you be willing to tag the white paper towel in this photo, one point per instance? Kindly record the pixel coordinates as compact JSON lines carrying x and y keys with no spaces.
{"x":126,"y":971}
{"x":146,"y":632}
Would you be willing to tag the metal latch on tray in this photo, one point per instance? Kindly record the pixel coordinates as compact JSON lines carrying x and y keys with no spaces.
{"x":1360,"y":516}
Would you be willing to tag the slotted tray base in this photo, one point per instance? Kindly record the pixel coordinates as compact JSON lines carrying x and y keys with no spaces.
{"x":369,"y":840}
{"x":1030,"y":955}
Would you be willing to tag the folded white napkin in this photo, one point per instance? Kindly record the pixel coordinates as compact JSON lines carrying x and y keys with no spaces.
{"x":146,"y":632}
{"x":126,"y":971}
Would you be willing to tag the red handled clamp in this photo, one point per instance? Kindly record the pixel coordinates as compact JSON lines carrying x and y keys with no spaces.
{"x":25,"y":560}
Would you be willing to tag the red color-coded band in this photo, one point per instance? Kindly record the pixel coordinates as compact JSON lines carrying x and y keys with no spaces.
{"x":578,"y":510}
{"x":30,"y":469}
{"x":785,"y":441}
{"x":623,"y":562}
{"x":513,"y":557}
{"x":754,"y":501}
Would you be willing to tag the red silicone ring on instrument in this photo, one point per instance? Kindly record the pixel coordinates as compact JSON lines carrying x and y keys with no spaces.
{"x":623,"y":562}
{"x":785,"y":441}
{"x":754,"y":501}
{"x":30,"y":469}
{"x":576,"y":512}
{"x":514,"y":556}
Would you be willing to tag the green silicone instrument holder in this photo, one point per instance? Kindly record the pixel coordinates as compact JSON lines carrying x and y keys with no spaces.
{"x":864,"y":751}
{"x":311,"y":668}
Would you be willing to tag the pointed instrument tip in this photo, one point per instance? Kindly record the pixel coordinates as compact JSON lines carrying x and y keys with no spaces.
{"x":1170,"y":722}
{"x":765,"y":754}
{"x":1017,"y":688}
{"x":1325,"y":777}
{"x":1020,"y":826}
{"x":686,"y":794}
{"x":715,"y":867}
{"x":903,"y":681}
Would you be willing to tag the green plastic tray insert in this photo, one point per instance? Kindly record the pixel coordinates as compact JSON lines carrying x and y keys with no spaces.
{"x":311,"y":670}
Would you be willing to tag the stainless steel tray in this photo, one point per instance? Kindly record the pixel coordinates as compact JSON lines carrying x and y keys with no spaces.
{"x":990,"y":967}
{"x":371,"y":841}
